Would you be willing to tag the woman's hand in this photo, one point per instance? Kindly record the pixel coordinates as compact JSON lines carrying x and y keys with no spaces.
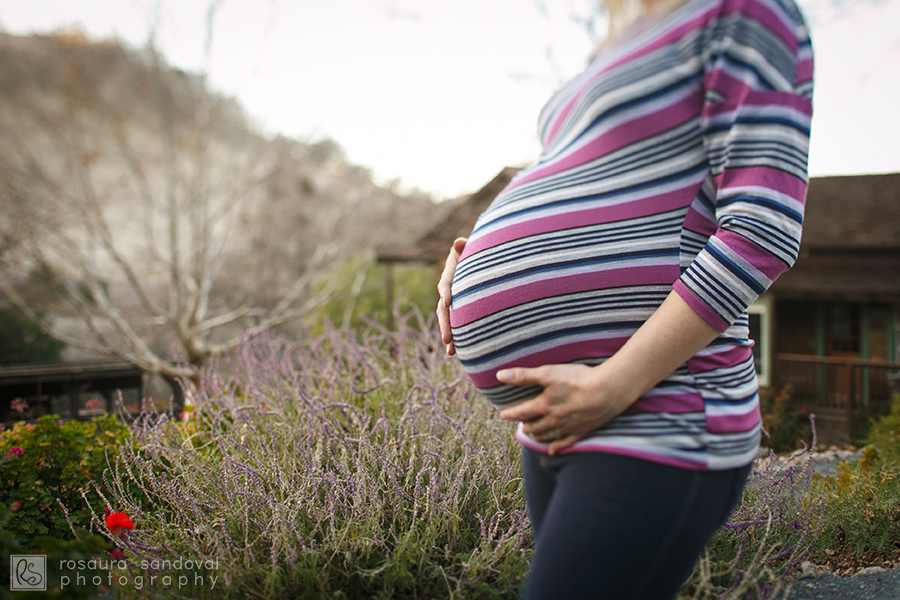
{"x":575,"y":400}
{"x":578,"y":399}
{"x":443,"y":307}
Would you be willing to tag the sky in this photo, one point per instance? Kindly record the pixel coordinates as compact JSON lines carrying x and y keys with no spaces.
{"x":443,"y":94}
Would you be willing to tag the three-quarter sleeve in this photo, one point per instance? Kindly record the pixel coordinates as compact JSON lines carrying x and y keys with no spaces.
{"x":755,"y":124}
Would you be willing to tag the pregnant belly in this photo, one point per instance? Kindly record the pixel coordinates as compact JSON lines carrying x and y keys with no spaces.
{"x":548,"y":307}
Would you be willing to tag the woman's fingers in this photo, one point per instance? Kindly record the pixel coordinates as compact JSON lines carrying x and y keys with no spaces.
{"x":543,"y":430}
{"x":443,"y":317}
{"x":569,"y":406}
{"x":519,"y":412}
{"x":562,"y":444}
{"x":523,"y":376}
{"x":531,"y":411}
{"x":449,"y":269}
{"x":443,"y":307}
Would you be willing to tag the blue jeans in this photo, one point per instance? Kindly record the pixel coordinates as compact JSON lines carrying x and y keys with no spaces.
{"x":620,"y":528}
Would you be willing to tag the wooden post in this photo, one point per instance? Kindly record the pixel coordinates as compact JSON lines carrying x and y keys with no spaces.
{"x":389,"y":294}
{"x":865,"y":340}
{"x":892,"y":326}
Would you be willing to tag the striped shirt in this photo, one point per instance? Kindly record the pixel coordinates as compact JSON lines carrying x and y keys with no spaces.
{"x":676,"y":160}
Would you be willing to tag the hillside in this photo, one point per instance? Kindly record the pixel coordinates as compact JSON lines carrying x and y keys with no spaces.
{"x":155,"y":207}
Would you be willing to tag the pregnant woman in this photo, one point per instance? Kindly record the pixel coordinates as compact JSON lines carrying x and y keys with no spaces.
{"x":601,"y":299}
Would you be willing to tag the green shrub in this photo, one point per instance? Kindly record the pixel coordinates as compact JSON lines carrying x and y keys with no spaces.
{"x":359,"y":293}
{"x":790,"y":514}
{"x":862,"y":502}
{"x":84,"y":548}
{"x":885,"y":432}
{"x":52,"y":459}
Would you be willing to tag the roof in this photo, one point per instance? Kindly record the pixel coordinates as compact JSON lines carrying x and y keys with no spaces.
{"x":843,"y":275}
{"x":850,"y":247}
{"x":67,"y":371}
{"x":857,"y":211}
{"x":408,"y":248}
{"x":460,"y":222}
{"x":459,"y":218}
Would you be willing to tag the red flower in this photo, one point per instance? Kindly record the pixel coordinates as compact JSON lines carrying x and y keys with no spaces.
{"x":116,"y":554}
{"x":15,"y":506}
{"x":118,"y":522}
{"x":15,"y":451}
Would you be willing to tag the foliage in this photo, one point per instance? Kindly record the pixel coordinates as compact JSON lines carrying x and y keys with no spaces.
{"x":24,"y":341}
{"x":350,"y":464}
{"x":863,"y":504}
{"x":361,"y":293}
{"x":58,"y":460}
{"x":863,"y":417}
{"x":885,"y":432}
{"x":768,"y":536}
{"x":842,"y":520}
{"x":83,"y":548}
{"x":863,"y":501}
{"x":362,"y":463}
{"x":785,"y":427}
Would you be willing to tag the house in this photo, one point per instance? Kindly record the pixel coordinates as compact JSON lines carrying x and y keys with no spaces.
{"x":828,"y":328}
{"x":67,"y":388}
{"x":453,"y":219}
{"x":83,"y":389}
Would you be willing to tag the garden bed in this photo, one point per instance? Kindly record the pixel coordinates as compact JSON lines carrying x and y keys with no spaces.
{"x":365,"y":464}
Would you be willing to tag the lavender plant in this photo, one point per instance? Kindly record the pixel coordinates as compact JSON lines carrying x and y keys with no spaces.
{"x":774,"y":529}
{"x":363,"y":463}
{"x":344,"y":465}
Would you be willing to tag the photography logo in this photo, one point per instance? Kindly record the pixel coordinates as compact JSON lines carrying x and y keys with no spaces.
{"x":27,"y":572}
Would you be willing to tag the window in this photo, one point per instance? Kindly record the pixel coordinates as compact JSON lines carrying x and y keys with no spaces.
{"x":760,"y":327}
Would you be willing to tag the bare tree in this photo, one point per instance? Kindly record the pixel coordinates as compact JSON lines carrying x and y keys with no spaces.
{"x":151,"y":204}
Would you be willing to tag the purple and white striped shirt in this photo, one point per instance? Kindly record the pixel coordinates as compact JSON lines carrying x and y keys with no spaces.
{"x":676,"y":160}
